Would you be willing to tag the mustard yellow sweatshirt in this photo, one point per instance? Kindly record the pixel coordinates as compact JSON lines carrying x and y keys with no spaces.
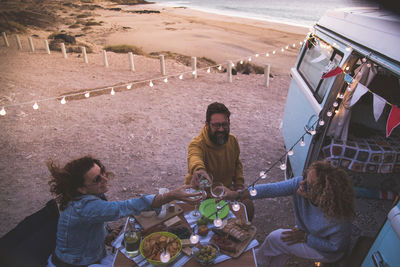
{"x":222,"y":161}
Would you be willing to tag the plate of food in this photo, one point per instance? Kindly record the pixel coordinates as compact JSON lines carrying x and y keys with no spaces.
{"x":154,"y":244}
{"x":205,"y":254}
{"x":208,"y":207}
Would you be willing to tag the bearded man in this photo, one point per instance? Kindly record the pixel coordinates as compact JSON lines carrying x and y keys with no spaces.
{"x":215,"y":154}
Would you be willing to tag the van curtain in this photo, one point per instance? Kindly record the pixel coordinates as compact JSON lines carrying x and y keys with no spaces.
{"x":339,"y":126}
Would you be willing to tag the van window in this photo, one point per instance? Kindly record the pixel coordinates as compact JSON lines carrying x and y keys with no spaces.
{"x":317,"y":59}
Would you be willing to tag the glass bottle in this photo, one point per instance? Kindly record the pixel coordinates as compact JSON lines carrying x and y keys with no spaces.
{"x":132,"y":239}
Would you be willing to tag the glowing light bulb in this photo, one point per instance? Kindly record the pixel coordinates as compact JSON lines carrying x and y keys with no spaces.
{"x":282,"y":50}
{"x":253,"y":192}
{"x":257,"y":55}
{"x":129,"y":86}
{"x":347,"y":68}
{"x":334,"y":44}
{"x":313,"y":131}
{"x":302,"y":142}
{"x":329,"y":114}
{"x":217,"y":222}
{"x":151,"y":84}
{"x":341,"y":96}
{"x":300,"y":43}
{"x":321,"y":122}
{"x":165,"y":256}
{"x":282,"y":166}
{"x":263,"y":174}
{"x":112,"y":91}
{"x":3,"y":112}
{"x":348,"y":48}
{"x":273,"y":52}
{"x":335,"y":104}
{"x":267,"y":54}
{"x":166,"y":80}
{"x":233,"y":65}
{"x":349,"y":88}
{"x":87,"y":94}
{"x":293,"y":45}
{"x":336,"y":111}
{"x":63,"y":101}
{"x":181,"y":77}
{"x":287,"y":47}
{"x":35,"y":106}
{"x":290,"y":152}
{"x":235,"y":206}
{"x":364,"y":60}
{"x":194,"y":72}
{"x":220,"y":67}
{"x":249,"y":59}
{"x":194,"y":239}
{"x":208,"y":70}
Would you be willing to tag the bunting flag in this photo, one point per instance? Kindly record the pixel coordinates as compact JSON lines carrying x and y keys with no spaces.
{"x":379,"y":104}
{"x":358,"y":92}
{"x":393,"y":120}
{"x":332,"y":73}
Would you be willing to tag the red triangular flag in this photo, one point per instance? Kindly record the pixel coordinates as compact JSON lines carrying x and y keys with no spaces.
{"x":393,"y":120}
{"x":332,"y":73}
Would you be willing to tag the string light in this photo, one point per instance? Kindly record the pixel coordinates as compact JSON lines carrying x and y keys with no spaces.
{"x":257,"y":55}
{"x":302,"y":142}
{"x":329,"y":113}
{"x":313,"y":131}
{"x":321,"y":122}
{"x":235,"y":206}
{"x":267,"y":54}
{"x":194,"y":238}
{"x":273,"y":52}
{"x":347,"y":68}
{"x":263,"y":175}
{"x":181,"y":77}
{"x":87,"y":94}
{"x":348,"y":49}
{"x":3,"y":112}
{"x":151,"y":84}
{"x":35,"y":106}
{"x":293,"y":45}
{"x":166,"y":80}
{"x":220,"y":67}
{"x":112,"y":91}
{"x":253,"y":192}
{"x":290,"y":152}
{"x":217,"y":222}
{"x":341,"y":96}
{"x":63,"y":101}
{"x":282,"y":166}
{"x":364,"y":60}
{"x":335,"y":104}
{"x":165,"y":256}
{"x":194,"y":72}
{"x":249,"y":59}
{"x":241,"y":62}
{"x":287,"y":47}
{"x":300,"y":43}
{"x":282,"y":50}
{"x":129,"y":86}
{"x":208,"y":70}
{"x":233,"y":65}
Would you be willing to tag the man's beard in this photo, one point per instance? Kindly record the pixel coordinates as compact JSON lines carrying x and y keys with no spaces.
{"x":218,"y":140}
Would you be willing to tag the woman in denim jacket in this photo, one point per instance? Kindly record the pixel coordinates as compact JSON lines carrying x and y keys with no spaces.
{"x":79,"y":189}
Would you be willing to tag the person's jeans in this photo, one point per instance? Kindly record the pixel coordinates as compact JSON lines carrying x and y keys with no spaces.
{"x":274,"y":252}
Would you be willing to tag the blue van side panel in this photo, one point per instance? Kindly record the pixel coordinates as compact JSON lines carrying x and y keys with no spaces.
{"x":298,"y":113}
{"x":388,"y":245}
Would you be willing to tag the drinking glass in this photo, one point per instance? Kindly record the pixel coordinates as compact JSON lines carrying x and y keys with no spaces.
{"x":217,"y":191}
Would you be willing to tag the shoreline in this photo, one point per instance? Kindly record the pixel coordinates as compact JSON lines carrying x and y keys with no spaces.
{"x":201,"y":34}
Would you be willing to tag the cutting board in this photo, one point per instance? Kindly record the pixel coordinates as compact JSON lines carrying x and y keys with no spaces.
{"x":149,"y":222}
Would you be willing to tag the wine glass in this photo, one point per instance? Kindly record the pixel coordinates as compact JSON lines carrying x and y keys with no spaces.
{"x":195,"y":213}
{"x":217,"y":191}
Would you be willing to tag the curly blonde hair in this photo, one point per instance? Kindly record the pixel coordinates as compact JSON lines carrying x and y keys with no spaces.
{"x":332,"y":191}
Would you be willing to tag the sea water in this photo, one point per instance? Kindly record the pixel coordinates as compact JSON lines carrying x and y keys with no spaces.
{"x":294,"y":12}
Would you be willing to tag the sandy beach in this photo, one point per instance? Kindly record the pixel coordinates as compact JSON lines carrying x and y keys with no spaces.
{"x":142,"y":133}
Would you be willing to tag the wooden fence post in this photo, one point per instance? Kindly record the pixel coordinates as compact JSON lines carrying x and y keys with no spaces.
{"x":19,"y":45}
{"x":84,"y":55}
{"x":266,"y":74}
{"x":5,"y":39}
{"x":46,"y":45}
{"x":194,"y":67}
{"x":131,"y":64}
{"x":229,"y":70}
{"x":63,"y":50}
{"x":32,"y":48}
{"x":105,"y":58}
{"x":162,"y":65}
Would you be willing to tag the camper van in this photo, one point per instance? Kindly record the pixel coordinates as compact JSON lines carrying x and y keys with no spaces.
{"x":343,"y":106}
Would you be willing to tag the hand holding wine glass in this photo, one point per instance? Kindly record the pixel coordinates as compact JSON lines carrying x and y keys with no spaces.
{"x":217,"y":191}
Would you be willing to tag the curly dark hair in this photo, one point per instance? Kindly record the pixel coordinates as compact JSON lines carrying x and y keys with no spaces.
{"x":65,"y":182}
{"x":216,"y":107}
{"x":333,"y":191}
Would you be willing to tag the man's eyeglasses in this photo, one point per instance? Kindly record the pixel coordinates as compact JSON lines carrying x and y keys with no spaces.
{"x":217,"y":125}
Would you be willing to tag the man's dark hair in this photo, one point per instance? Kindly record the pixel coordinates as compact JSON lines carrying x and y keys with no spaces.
{"x":216,"y":107}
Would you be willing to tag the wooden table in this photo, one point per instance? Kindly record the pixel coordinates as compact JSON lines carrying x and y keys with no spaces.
{"x":246,"y":259}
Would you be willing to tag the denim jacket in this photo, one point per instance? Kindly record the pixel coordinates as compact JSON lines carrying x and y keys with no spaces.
{"x":81,"y":226}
